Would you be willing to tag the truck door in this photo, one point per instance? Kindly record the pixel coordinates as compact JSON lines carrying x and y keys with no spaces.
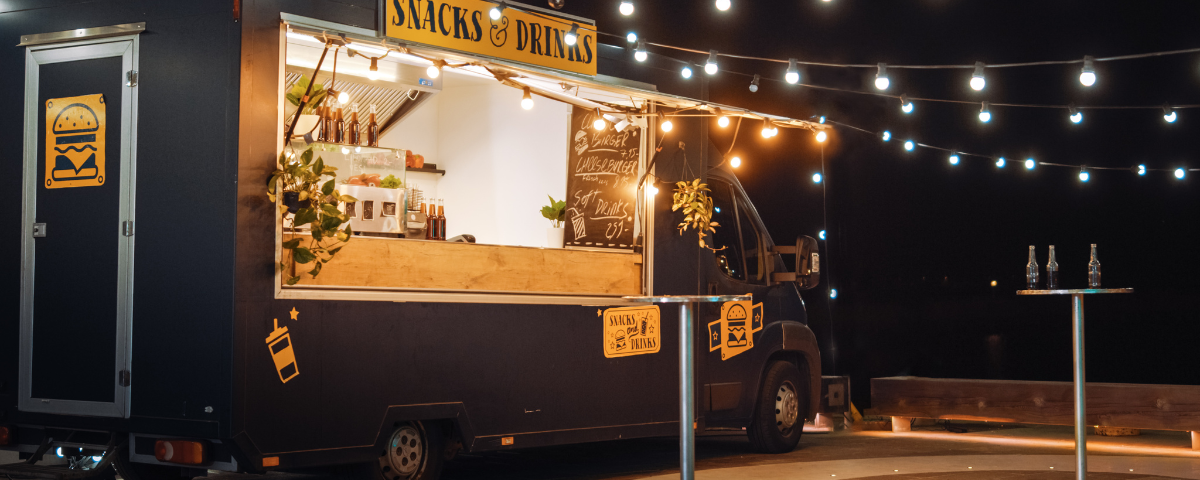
{"x":77,"y":232}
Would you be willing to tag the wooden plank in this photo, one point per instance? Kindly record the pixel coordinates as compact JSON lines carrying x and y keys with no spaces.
{"x":399,"y":263}
{"x":1156,"y":407}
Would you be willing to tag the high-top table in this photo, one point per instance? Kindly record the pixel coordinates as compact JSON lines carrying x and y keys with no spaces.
{"x":687,"y":366}
{"x":1077,"y":341}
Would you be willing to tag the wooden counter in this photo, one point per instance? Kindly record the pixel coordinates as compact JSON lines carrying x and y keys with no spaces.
{"x":437,"y":265}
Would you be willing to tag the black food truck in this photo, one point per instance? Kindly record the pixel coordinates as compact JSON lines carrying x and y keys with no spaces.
{"x":261,"y":235}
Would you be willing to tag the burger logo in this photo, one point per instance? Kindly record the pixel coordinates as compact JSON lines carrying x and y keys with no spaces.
{"x":75,"y":128}
{"x":733,"y":333}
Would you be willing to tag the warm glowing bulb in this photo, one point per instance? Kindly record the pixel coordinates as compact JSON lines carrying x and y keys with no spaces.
{"x":433,"y":71}
{"x":527,"y":103}
{"x":1077,"y":117}
{"x":766,"y":132}
{"x":1180,"y":173}
{"x":686,"y":72}
{"x":1087,"y":78}
{"x":343,"y":98}
{"x":345,"y":150}
{"x":631,"y":37}
{"x":985,"y":117}
{"x":735,"y":162}
{"x":882,"y":83}
{"x":1030,"y":163}
{"x":710,"y":68}
{"x":652,"y":189}
{"x":792,"y":77}
{"x":357,"y":149}
{"x":909,"y":145}
{"x":907,"y":108}
{"x":627,"y":8}
{"x":571,"y":38}
{"x":723,"y":5}
{"x":723,"y":121}
{"x":821,"y":136}
{"x":1084,"y":176}
{"x":667,"y":126}
{"x":954,"y":159}
{"x":494,"y":13}
{"x":639,"y":55}
{"x":886,"y":135}
{"x":599,"y":124}
{"x":816,"y":178}
{"x":373,"y":75}
{"x":977,"y":83}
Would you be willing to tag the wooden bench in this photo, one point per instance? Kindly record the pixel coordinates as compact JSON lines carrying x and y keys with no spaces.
{"x":1154,"y":407}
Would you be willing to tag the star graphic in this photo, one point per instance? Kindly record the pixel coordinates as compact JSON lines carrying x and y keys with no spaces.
{"x":294,"y":313}
{"x":599,"y":312}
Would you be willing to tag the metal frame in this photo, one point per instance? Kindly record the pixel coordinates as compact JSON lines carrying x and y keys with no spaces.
{"x":41,"y":52}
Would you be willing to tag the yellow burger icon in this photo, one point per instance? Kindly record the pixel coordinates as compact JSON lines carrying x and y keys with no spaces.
{"x":75,"y":141}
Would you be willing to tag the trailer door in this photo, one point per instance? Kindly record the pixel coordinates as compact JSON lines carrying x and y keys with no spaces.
{"x":77,"y":243}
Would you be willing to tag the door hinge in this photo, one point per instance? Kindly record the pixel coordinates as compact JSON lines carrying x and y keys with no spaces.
{"x":131,"y":78}
{"x":123,"y":378}
{"x":39,"y":230}
{"x":127,"y":228}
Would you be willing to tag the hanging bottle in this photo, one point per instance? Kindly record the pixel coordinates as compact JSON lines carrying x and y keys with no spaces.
{"x":1031,"y":270}
{"x":353,"y":127}
{"x":1094,"y":270}
{"x":1052,"y":270}
{"x":372,"y":130}
{"x":441,"y":220}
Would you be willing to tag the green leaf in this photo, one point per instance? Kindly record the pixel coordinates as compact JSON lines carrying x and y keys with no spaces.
{"x":290,"y":244}
{"x":305,"y":216}
{"x":329,"y":209}
{"x":316,"y":269}
{"x":327,"y":188}
{"x":293,"y":280}
{"x":331,"y":222}
{"x":306,"y":157}
{"x":303,"y":255}
{"x":319,"y":166}
{"x":347,"y":198}
{"x":334,"y":251}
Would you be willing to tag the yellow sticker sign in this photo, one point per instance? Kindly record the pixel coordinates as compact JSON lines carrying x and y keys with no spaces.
{"x":75,"y":129}
{"x":466,"y":25}
{"x":733,"y":333}
{"x":279,"y":342}
{"x":631,"y":331}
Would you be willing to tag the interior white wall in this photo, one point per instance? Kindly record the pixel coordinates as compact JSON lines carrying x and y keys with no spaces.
{"x":418,"y":132}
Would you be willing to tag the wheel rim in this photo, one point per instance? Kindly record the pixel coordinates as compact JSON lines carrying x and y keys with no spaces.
{"x":787,"y":407}
{"x":405,"y":452}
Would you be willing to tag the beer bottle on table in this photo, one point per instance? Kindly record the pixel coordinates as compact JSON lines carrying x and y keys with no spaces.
{"x":1052,"y":270}
{"x":1094,"y":270}
{"x":1031,"y":270}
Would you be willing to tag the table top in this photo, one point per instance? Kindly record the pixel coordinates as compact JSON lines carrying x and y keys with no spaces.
{"x":689,"y":298}
{"x":1075,"y":291}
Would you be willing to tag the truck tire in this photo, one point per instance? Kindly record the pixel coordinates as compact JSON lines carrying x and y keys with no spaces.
{"x":145,"y":471}
{"x":415,"y":451}
{"x":778,"y":417}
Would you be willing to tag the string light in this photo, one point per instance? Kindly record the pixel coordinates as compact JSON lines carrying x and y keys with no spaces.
{"x":686,"y":72}
{"x":652,"y":189}
{"x":600,"y":123}
{"x":954,"y":159}
{"x":833,"y":293}
{"x":373,"y":72}
{"x":977,"y":80}
{"x":881,"y":78}
{"x":735,"y":162}
{"x":1076,"y":115}
{"x":886,"y":135}
{"x":710,"y":67}
{"x":723,"y":5}
{"x":640,"y":53}
{"x":1141,"y":170}
{"x":631,"y":37}
{"x":343,"y":98}
{"x":793,"y":72}
{"x":664,"y":123}
{"x":821,"y":136}
{"x":722,"y":120}
{"x":1087,"y":75}
{"x":905,"y":105}
{"x":821,"y":119}
{"x":754,"y":84}
{"x":572,"y":34}
{"x":1000,"y":162}
{"x":527,"y":100}
{"x":984,"y":115}
{"x":1030,"y":163}
{"x":435,"y":70}
{"x":345,"y":150}
{"x":769,"y":129}
{"x":821,"y":235}
{"x":1084,"y":176}
{"x":909,"y":145}
{"x":816,"y":178}
{"x":626,"y":8}
{"x":1180,"y":173}
{"x":1169,"y":114}
{"x":497,"y":11}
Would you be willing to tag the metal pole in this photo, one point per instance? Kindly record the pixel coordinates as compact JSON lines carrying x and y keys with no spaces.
{"x":1080,"y":403}
{"x":687,"y":395}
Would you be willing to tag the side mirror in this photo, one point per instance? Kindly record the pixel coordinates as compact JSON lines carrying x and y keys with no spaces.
{"x":808,"y":263}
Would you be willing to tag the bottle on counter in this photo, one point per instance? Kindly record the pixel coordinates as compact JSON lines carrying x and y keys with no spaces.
{"x":353,"y":127}
{"x":372,"y":130}
{"x":1052,"y":270}
{"x":339,"y":126}
{"x":1094,"y":270}
{"x":430,"y":223}
{"x":1031,"y":270}
{"x":441,"y":220}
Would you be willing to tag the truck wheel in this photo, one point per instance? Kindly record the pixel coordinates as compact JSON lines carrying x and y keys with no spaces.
{"x":414,"y":452}
{"x":778,"y":417}
{"x":145,"y":471}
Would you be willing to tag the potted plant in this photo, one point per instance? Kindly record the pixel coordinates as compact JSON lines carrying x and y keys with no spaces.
{"x":314,"y":202}
{"x":556,"y":212}
{"x":697,"y":207}
{"x":308,"y":118}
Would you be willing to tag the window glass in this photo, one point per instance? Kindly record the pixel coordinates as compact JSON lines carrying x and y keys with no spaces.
{"x":729,"y":259}
{"x":750,"y":245}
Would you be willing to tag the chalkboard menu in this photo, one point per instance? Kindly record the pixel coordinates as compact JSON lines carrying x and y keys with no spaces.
{"x":602,"y":174}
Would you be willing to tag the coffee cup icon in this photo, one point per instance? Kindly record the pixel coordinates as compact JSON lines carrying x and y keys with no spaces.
{"x":279,"y":342}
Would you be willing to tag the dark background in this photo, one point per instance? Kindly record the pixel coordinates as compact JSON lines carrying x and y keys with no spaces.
{"x":914,"y":242}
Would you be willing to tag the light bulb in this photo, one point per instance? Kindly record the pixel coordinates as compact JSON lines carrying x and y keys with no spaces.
{"x":710,"y":67}
{"x":343,"y":98}
{"x":821,"y":119}
{"x":373,"y":72}
{"x":345,"y":150}
{"x":905,"y":105}
{"x":821,"y":235}
{"x":821,"y":136}
{"x":1076,"y":115}
{"x":572,"y":35}
{"x":1030,"y":163}
{"x":652,"y":189}
{"x":1084,"y":175}
{"x":627,"y":8}
{"x":664,"y":123}
{"x":833,"y":293}
{"x":1000,"y":162}
{"x":496,"y":11}
{"x":722,"y":120}
{"x":357,"y":149}
{"x":954,"y":159}
{"x":599,"y":123}
{"x":1141,"y":170}
{"x":631,"y":37}
{"x":984,"y":115}
{"x":1169,"y":114}
{"x":886,"y":135}
{"x":686,"y":72}
{"x":527,"y":100}
{"x":881,"y":78}
{"x":723,"y":5}
{"x":433,"y":71}
{"x":754,"y":84}
{"x":816,"y":178}
{"x":909,"y":145}
{"x":1087,"y":76}
{"x":793,"y":71}
{"x":977,"y":80}
{"x":735,"y":162}
{"x":1180,"y":173}
{"x":640,"y":54}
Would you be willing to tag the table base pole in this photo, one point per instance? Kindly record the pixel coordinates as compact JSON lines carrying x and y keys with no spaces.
{"x":1080,"y":400}
{"x":687,"y":395}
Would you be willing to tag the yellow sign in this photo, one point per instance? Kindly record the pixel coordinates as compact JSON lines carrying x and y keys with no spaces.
{"x":631,"y":331}
{"x":466,"y":25}
{"x":279,"y":342}
{"x":75,"y":141}
{"x":733,"y":333}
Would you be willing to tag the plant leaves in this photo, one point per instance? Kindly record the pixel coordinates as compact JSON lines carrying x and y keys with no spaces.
{"x":305,"y":216}
{"x":291,"y":244}
{"x":303,"y":255}
{"x":293,"y":280}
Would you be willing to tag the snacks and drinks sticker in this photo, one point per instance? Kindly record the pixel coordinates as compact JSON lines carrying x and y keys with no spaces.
{"x":631,"y":331}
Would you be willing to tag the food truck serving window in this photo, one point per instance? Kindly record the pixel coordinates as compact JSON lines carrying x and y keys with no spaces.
{"x":450,"y":176}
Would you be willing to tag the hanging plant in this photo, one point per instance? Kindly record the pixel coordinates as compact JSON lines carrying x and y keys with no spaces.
{"x":697,"y":209}
{"x":314,"y":202}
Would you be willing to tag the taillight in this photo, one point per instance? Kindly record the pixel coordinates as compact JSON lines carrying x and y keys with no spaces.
{"x":6,"y":435}
{"x":187,"y":452}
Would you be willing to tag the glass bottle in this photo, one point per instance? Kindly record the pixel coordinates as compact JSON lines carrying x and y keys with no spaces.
{"x":322,"y":127}
{"x":441,"y":220}
{"x":1031,"y":270}
{"x":1052,"y":270}
{"x":353,"y":127}
{"x":372,"y":130}
{"x":1094,"y":270}
{"x":329,"y":122}
{"x":339,"y":126}
{"x":430,"y":224}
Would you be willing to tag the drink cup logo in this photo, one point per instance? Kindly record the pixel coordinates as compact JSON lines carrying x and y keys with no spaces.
{"x":75,"y":129}
{"x":733,"y":333}
{"x":279,"y":343}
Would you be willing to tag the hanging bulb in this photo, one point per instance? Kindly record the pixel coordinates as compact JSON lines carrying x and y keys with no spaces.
{"x":905,"y":105}
{"x":754,"y":84}
{"x":686,"y":72}
{"x":664,"y":123}
{"x":768,"y":128}
{"x":631,"y":37}
{"x":496,"y":11}
{"x":909,"y":145}
{"x":881,"y":78}
{"x":600,"y":123}
{"x":626,"y":8}
{"x":1087,"y":76}
{"x":954,"y":159}
{"x":1180,"y":173}
{"x":722,"y":120}
{"x":1000,"y":162}
{"x":373,"y":72}
{"x":822,"y":136}
{"x":343,"y":98}
{"x":977,"y":80}
{"x":821,"y":119}
{"x":1084,"y":175}
{"x":821,"y":235}
{"x":1141,"y":170}
{"x":886,"y":135}
{"x":652,"y":189}
{"x":1076,"y":115}
{"x":723,"y":5}
{"x":793,"y":71}
{"x":817,"y":178}
{"x":1030,"y":163}
{"x":572,"y":34}
{"x":710,"y":67}
{"x":640,"y":53}
{"x":735,"y":162}
{"x":984,"y":115}
{"x":435,"y":70}
{"x":527,"y":100}
{"x":1169,"y":114}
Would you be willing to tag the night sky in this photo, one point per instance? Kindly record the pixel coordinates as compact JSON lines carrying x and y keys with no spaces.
{"x":914,"y":242}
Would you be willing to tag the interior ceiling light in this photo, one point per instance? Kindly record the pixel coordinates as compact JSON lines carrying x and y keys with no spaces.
{"x":664,"y":123}
{"x":722,"y":120}
{"x":627,"y":8}
{"x":640,"y":53}
{"x":881,"y":77}
{"x":497,"y":11}
{"x":754,"y":84}
{"x":977,"y":80}
{"x":1076,"y":115}
{"x":793,"y":72}
{"x":1087,"y":76}
{"x":905,"y":105}
{"x":984,"y":115}
{"x":572,"y":34}
{"x":527,"y":100}
{"x":710,"y":67}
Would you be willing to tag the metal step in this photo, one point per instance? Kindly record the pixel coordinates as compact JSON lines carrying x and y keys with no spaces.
{"x":19,"y":471}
